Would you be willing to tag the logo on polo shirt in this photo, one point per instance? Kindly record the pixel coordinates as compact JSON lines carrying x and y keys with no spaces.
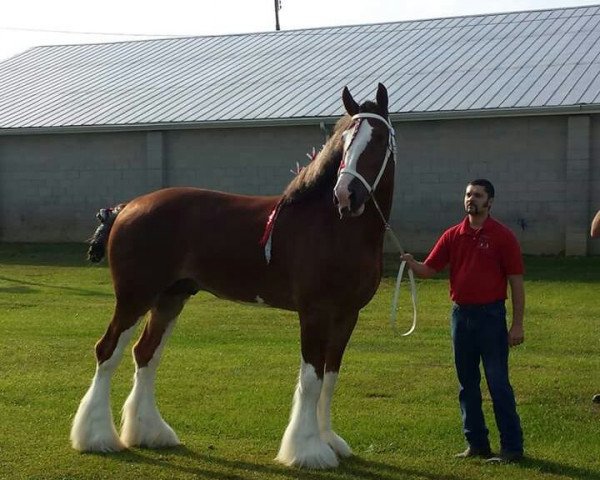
{"x":484,"y":242}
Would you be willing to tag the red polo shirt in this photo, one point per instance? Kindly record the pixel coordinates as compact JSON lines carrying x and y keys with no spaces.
{"x":480,"y":260}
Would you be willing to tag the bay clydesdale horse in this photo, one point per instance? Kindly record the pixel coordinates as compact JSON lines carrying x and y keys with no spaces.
{"x":320,"y":255}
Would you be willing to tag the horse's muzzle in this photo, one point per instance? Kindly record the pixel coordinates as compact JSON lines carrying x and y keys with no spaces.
{"x":348,"y":208}
{"x":346,"y":212}
{"x":350,"y":197}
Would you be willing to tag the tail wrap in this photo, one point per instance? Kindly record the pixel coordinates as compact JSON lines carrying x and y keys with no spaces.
{"x":107,"y":217}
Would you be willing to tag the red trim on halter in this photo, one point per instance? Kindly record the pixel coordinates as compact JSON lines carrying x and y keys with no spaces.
{"x":270,"y":224}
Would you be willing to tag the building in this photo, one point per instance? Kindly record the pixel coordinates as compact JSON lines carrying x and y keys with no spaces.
{"x":512,"y":97}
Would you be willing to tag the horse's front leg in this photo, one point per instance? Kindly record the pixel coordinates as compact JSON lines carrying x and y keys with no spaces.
{"x":302,"y":445}
{"x":339,"y":335}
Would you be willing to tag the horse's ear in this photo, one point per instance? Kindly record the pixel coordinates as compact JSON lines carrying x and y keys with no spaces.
{"x":350,"y":104}
{"x":382,"y":97}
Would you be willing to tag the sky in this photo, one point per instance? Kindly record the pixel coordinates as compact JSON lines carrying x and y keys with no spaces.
{"x":26,"y":24}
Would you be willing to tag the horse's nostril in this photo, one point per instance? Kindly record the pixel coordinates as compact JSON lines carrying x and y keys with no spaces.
{"x":344,"y":212}
{"x":352,"y":200}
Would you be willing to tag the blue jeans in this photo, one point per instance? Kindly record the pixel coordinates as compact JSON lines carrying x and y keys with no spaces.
{"x":479,"y":333}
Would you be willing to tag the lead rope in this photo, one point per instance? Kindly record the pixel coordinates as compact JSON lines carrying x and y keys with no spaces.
{"x":411,"y":277}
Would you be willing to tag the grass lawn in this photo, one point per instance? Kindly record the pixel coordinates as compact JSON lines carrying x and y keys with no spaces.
{"x":229,"y":371}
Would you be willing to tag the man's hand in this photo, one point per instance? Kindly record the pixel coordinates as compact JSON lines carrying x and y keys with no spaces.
{"x":516,"y":336}
{"x":408,"y":258}
{"x":420,"y":269}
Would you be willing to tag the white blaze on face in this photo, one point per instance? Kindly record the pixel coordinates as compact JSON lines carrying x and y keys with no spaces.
{"x":353,"y":149}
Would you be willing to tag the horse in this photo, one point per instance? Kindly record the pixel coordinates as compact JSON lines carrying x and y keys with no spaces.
{"x":317,"y":249}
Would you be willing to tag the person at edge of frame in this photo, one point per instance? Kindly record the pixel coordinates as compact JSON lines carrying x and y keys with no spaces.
{"x":484,"y":256}
{"x":595,"y":227}
{"x":595,"y":233}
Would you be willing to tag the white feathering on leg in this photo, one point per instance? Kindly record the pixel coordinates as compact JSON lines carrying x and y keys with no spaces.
{"x":93,"y":429}
{"x":141,"y":422}
{"x":302,"y":445}
{"x":336,"y":442}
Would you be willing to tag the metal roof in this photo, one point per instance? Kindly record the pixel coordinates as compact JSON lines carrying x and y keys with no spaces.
{"x":537,"y":61}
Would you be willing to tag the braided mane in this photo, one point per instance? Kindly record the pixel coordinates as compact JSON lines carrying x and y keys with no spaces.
{"x":320,"y":174}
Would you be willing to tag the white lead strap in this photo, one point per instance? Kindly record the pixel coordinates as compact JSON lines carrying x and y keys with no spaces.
{"x":413,"y":294}
{"x":411,"y":278}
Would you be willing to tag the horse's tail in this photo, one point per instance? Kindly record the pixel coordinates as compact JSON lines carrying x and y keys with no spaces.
{"x":107,"y":217}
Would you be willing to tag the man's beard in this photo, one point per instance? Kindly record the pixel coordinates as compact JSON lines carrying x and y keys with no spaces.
{"x":473,"y":209}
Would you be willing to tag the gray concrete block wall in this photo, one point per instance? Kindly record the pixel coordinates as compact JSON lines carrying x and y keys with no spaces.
{"x":594,"y":245}
{"x":577,"y":185}
{"x":252,"y":161}
{"x":523,"y":157}
{"x":52,"y":185}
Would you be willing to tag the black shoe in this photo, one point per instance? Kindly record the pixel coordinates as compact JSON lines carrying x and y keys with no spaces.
{"x":471,"y":452}
{"x":506,"y":457}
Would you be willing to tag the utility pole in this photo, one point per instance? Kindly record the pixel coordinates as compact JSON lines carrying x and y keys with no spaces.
{"x":277,"y":8}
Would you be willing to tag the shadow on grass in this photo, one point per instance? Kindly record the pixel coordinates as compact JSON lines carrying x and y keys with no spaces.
{"x":548,"y":467}
{"x":546,"y":268}
{"x":214,"y":467}
{"x":59,"y":254}
{"x":17,"y":289}
{"x":23,"y":286}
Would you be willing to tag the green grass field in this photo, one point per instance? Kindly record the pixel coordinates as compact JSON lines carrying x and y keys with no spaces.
{"x":229,"y":371}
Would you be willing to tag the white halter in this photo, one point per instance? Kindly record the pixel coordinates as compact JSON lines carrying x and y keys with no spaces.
{"x":391,"y":149}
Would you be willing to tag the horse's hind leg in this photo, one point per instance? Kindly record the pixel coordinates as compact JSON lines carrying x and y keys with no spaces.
{"x":93,"y":428}
{"x":302,"y":445}
{"x":142,"y":424}
{"x":337,"y":341}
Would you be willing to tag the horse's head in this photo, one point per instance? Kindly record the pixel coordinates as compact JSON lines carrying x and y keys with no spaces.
{"x":368,"y":143}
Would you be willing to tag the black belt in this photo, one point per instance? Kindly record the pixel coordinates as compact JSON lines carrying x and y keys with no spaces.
{"x":478,"y":305}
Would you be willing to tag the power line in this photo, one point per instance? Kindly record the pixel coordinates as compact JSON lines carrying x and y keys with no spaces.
{"x":73,"y":32}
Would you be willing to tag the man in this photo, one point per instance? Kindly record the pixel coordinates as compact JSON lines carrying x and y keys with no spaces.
{"x":484,"y":256}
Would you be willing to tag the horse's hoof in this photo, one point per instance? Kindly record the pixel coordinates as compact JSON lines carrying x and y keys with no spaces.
{"x":157,"y":434}
{"x":314,"y":453}
{"x":96,"y":443}
{"x":337,"y":443}
{"x":93,"y":429}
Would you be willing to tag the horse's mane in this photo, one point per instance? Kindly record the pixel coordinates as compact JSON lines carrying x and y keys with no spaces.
{"x":320,"y":173}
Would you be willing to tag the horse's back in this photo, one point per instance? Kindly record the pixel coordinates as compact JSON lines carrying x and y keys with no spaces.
{"x":188,"y":232}
{"x":187,"y":210}
{"x":198,"y":200}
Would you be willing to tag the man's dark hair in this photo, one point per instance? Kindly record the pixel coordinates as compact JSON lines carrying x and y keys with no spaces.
{"x":486,"y":184}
